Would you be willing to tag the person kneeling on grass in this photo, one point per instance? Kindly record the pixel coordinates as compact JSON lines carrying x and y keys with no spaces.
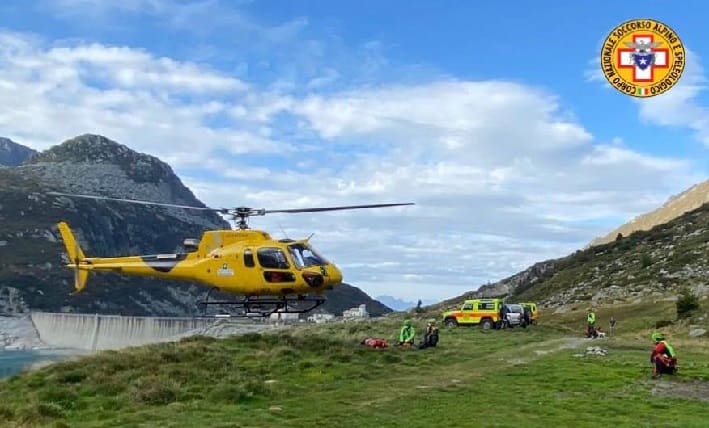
{"x":407,"y":334}
{"x":663,"y":357}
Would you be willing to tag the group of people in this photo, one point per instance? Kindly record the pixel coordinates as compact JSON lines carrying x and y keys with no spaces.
{"x":663,"y":357}
{"x":407,"y":337}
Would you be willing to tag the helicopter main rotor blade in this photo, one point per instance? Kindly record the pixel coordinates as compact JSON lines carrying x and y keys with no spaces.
{"x":241,"y":212}
{"x":346,"y":207}
{"x":133,"y":201}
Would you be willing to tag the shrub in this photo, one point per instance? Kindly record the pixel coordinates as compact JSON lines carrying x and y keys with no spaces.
{"x":156,"y":391}
{"x":645,"y":260}
{"x":662,"y":323}
{"x":687,"y":303}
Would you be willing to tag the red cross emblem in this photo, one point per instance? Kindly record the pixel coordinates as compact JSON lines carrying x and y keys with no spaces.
{"x":625,"y":59}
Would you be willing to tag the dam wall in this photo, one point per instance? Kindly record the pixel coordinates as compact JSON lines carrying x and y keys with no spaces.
{"x":93,"y":332}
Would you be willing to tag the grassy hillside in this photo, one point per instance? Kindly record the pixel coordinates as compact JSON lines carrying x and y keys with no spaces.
{"x":320,"y":376}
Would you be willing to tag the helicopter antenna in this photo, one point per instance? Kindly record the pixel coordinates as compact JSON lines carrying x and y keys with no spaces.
{"x":308,"y":238}
{"x":285,"y":235}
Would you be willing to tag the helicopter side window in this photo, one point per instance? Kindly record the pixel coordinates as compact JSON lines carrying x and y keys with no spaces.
{"x":249,"y":258}
{"x":272,"y":258}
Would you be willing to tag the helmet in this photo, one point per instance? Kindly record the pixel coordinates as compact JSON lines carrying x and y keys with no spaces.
{"x":657,"y":336}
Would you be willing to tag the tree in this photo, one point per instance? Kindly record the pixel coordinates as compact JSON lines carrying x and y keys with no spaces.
{"x":618,"y":237}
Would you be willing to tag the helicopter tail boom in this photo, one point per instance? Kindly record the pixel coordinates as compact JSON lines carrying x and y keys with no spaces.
{"x":76,"y":255}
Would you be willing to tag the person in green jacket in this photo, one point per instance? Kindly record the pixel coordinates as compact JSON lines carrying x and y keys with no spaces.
{"x":407,"y":334}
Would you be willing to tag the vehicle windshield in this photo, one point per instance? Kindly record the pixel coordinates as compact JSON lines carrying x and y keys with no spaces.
{"x":515,"y":308}
{"x":305,"y":256}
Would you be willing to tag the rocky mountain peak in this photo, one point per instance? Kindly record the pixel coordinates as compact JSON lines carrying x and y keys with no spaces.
{"x":13,"y":154}
{"x":93,"y":149}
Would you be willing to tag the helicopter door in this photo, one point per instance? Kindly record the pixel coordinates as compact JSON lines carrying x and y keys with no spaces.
{"x":275,"y":265}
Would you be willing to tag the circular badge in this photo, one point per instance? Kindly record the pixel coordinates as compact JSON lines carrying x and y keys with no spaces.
{"x":642,"y":58}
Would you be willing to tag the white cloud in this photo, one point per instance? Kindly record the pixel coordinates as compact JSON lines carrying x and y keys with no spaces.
{"x":481,"y":160}
{"x":200,"y":17}
{"x":147,"y":102}
{"x":501,"y":174}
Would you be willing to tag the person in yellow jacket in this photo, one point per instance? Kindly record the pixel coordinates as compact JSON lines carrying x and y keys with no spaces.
{"x":591,"y":322}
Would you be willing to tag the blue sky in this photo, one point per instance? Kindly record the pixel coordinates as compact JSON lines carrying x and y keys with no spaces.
{"x":490,"y":117}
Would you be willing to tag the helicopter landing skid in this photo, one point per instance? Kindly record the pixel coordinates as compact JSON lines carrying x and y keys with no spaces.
{"x":254,"y":307}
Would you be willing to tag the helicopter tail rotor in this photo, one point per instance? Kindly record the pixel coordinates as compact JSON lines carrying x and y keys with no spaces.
{"x":76,"y":255}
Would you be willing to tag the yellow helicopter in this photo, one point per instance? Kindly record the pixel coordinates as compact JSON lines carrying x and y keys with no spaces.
{"x":285,"y":276}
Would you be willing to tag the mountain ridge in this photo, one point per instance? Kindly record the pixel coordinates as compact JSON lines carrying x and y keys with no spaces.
{"x":676,"y":205}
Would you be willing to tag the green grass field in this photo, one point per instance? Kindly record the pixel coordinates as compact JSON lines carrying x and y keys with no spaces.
{"x":320,"y":376}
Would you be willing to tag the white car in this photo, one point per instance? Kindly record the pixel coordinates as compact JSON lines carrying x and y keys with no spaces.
{"x":514,"y":316}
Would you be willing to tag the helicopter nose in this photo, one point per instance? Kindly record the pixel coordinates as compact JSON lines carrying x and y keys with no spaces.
{"x":335,"y":274}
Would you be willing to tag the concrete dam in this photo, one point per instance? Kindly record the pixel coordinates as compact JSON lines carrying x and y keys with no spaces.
{"x":93,"y":332}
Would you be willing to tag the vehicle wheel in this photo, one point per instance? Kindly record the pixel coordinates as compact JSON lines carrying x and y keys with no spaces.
{"x":451,"y":322}
{"x":486,"y":324}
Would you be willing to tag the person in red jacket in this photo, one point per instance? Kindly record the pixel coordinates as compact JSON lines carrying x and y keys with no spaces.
{"x":663,"y":357}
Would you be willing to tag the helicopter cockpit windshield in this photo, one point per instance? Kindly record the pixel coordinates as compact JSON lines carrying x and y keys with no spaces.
{"x":305,"y":256}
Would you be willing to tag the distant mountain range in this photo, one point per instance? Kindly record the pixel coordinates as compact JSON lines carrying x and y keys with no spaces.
{"x":13,"y":154}
{"x":32,"y":271}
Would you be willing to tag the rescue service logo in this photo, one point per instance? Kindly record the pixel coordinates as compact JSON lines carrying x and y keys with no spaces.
{"x":642,"y":58}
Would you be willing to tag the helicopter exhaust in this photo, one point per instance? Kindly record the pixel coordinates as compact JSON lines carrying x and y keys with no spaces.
{"x":76,"y":255}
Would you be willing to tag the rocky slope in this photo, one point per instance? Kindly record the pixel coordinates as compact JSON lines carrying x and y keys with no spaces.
{"x":32,"y":275}
{"x":655,"y":264}
{"x":647,"y":264}
{"x":690,"y":199}
{"x":13,"y":154}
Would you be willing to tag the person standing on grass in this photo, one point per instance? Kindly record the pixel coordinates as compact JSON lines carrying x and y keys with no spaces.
{"x":611,"y":325}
